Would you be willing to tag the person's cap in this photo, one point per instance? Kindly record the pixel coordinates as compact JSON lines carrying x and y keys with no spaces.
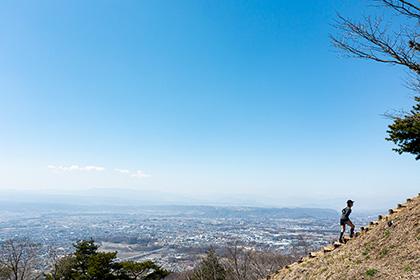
{"x":350,"y":201}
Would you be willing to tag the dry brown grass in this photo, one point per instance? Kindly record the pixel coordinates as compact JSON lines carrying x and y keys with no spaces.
{"x":383,"y":252}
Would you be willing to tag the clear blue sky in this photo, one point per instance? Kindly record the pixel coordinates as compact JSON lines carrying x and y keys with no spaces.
{"x":245,"y":100}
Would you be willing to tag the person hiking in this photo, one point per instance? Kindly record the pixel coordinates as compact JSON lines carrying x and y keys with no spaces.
{"x":345,"y":220}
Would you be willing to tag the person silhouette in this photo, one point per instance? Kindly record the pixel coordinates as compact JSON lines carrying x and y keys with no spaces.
{"x":345,"y":220}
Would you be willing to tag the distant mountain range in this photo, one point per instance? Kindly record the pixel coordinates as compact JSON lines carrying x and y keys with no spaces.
{"x":169,"y":210}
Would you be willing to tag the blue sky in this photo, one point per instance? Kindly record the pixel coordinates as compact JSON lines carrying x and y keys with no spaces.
{"x":245,"y":100}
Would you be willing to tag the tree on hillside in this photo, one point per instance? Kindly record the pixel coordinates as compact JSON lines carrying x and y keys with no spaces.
{"x":18,"y":260}
{"x":87,"y":263}
{"x":245,"y":264}
{"x":239,"y":262}
{"x":146,"y":270}
{"x":58,"y":264}
{"x":394,"y":42}
{"x":405,"y":131}
{"x":209,"y":268}
{"x":86,"y":250}
{"x":235,"y":263}
{"x":62,"y":269}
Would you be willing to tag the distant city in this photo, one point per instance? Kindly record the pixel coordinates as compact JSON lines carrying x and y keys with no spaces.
{"x":173,"y":236}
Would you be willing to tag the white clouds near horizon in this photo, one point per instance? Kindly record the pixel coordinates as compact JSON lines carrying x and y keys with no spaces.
{"x":136,"y":174}
{"x":93,"y":168}
{"x":76,"y":168}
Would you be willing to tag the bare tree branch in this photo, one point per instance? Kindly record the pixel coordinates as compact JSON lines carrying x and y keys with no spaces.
{"x":404,"y":7}
{"x":19,"y":258}
{"x":370,"y":40}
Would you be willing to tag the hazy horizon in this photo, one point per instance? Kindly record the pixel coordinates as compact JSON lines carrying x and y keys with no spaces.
{"x":131,"y":198}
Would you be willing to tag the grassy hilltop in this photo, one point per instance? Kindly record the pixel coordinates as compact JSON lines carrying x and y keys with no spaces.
{"x":386,"y":249}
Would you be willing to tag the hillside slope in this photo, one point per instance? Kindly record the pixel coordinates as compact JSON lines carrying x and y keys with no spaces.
{"x":386,"y":249}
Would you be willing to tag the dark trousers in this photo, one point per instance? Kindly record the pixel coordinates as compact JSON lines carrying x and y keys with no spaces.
{"x":343,"y":224}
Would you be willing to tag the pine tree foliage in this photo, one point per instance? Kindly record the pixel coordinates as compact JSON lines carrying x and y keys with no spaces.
{"x":87,"y":263}
{"x":405,"y":131}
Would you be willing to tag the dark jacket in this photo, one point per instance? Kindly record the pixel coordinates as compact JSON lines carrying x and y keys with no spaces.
{"x":345,"y":213}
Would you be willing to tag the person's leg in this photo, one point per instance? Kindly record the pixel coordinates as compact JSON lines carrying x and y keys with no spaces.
{"x":351,"y":228}
{"x":343,"y":230}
